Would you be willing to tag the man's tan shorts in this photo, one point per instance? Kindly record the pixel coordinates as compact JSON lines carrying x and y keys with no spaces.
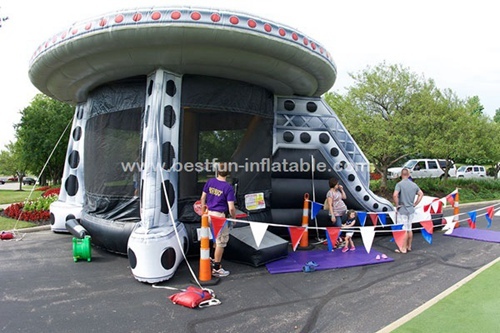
{"x":223,"y":237}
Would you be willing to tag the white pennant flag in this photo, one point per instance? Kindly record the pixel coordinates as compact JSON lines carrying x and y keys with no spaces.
{"x":392,"y":215}
{"x":367,"y":234}
{"x":444,"y":201}
{"x":258,"y":231}
{"x":450,"y":225}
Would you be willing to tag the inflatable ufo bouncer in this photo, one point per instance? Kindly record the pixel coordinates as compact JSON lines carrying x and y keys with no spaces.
{"x":149,"y":84}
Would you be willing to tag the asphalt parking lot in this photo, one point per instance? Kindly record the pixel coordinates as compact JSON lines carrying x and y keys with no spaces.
{"x":43,"y":290}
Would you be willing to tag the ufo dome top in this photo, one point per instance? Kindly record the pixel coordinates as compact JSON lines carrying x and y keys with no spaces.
{"x":182,"y":40}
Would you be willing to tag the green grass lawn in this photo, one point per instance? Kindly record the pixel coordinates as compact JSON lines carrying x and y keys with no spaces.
{"x":10,"y":196}
{"x":10,"y":224}
{"x":473,"y":307}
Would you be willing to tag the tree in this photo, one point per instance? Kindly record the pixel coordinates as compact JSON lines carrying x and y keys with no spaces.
{"x":473,"y":104}
{"x":496,"y":117}
{"x":375,"y":112}
{"x":42,"y":124}
{"x":11,"y":164}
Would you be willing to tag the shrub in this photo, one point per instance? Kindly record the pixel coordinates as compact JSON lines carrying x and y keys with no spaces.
{"x":33,"y":210}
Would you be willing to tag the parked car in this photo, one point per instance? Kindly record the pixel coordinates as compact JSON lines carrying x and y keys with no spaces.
{"x":2,"y":181}
{"x":13,"y":179}
{"x":424,"y":168}
{"x":471,"y":171}
{"x":29,"y":181}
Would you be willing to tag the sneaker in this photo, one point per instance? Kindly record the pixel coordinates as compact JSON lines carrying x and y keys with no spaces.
{"x":221,"y":272}
{"x":345,"y":249}
{"x":353,"y":248}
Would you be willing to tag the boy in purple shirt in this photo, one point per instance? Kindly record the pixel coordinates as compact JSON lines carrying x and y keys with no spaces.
{"x":218,"y":197}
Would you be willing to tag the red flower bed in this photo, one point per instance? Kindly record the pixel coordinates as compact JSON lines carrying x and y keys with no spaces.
{"x":43,"y":188}
{"x":15,"y":211}
{"x":51,"y":191}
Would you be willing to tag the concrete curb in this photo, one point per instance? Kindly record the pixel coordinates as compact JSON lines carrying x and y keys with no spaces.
{"x":389,"y":328}
{"x":34,"y":229}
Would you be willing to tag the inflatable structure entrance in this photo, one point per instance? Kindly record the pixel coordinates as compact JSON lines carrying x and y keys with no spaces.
{"x":148,"y":84}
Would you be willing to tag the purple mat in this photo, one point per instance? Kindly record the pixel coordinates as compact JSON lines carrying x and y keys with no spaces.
{"x":476,"y":234}
{"x":325,"y":260}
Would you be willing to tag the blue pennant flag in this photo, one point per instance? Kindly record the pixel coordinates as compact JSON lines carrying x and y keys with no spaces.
{"x":362,"y":218}
{"x":382,"y":218}
{"x":427,"y":236}
{"x":316,"y":207}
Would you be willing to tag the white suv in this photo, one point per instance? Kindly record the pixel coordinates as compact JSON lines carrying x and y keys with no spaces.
{"x":424,"y":168}
{"x":471,"y":171}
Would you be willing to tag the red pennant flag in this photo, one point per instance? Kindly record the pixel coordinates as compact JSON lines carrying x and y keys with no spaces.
{"x":399,"y":238}
{"x":439,"y":209}
{"x":490,"y":211}
{"x":451,"y":199}
{"x":374,"y":218}
{"x":428,"y":226}
{"x":217,"y":224}
{"x":296,"y":235}
{"x":426,"y":208}
{"x":333,"y":233}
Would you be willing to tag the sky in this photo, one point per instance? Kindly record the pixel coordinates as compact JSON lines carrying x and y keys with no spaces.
{"x":454,"y":43}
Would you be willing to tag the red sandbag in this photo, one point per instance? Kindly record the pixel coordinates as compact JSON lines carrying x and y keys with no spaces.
{"x":190,"y":298}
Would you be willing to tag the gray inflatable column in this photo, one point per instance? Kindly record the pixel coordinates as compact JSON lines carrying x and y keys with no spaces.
{"x":155,"y":247}
{"x":70,"y":202}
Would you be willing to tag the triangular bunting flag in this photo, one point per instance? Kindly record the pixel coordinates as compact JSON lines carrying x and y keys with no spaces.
{"x":382,"y":218}
{"x":426,"y":207}
{"x":427,"y":236}
{"x":373,"y":217}
{"x":362,"y":218}
{"x":398,"y":235}
{"x":472,"y":219}
{"x":258,"y":231}
{"x":315,"y":209}
{"x":217,"y":224}
{"x":428,"y":226}
{"x":450,"y":225}
{"x":451,"y":228}
{"x":436,"y":207}
{"x":296,"y":235}
{"x":443,"y":201}
{"x":332,"y":233}
{"x":392,"y":215}
{"x":451,"y":198}
{"x":367,"y":234}
{"x":490,"y":212}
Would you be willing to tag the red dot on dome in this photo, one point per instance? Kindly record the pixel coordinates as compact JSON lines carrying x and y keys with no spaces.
{"x":295,"y":36}
{"x":88,"y":26}
{"x":137,"y":17}
{"x":103,"y":22}
{"x":63,"y":35}
{"x":195,"y":16}
{"x":234,"y":20}
{"x":321,"y":50}
{"x":156,"y":16}
{"x":54,"y":39}
{"x":74,"y":31}
{"x":313,"y":45}
{"x":268,"y":27}
{"x":282,"y":32}
{"x":251,"y":23}
{"x":175,"y":15}
{"x":215,"y":17}
{"x":306,"y":41}
{"x":119,"y":18}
